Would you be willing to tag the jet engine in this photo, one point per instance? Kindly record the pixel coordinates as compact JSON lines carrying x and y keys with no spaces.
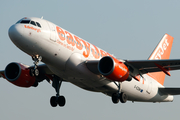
{"x":19,"y":75}
{"x":113,"y":69}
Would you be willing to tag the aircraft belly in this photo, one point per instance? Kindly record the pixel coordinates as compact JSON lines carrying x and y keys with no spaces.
{"x":77,"y":73}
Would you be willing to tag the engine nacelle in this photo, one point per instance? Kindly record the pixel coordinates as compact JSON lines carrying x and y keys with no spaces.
{"x":19,"y":75}
{"x":113,"y":69}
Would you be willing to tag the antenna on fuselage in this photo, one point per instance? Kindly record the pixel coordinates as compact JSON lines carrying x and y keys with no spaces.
{"x":42,"y":17}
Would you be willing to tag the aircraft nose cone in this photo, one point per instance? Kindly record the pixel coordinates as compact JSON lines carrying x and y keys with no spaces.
{"x":15,"y":33}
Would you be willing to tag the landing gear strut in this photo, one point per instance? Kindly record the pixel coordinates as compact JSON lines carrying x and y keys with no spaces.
{"x":35,"y":71}
{"x":119,"y":95}
{"x":57,"y":100}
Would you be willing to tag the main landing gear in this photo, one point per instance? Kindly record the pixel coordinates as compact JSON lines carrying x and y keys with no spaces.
{"x":57,"y":100}
{"x":119,"y":95}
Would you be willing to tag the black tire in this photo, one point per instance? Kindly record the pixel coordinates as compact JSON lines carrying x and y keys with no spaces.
{"x":123,"y":97}
{"x":36,"y":72}
{"x":115,"y":98}
{"x":61,"y":101}
{"x":53,"y":101}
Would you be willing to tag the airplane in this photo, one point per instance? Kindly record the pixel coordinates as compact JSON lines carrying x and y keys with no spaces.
{"x":69,"y":58}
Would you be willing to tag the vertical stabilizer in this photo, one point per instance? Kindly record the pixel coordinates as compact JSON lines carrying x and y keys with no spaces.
{"x":162,"y":51}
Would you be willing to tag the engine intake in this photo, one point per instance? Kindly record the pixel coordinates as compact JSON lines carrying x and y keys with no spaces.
{"x":113,"y":69}
{"x":12,"y":71}
{"x":19,"y":74}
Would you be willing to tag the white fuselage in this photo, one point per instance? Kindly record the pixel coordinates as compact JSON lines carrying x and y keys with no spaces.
{"x":65,"y":54}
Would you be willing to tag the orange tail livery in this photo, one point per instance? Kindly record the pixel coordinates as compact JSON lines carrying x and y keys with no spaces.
{"x":162,"y":51}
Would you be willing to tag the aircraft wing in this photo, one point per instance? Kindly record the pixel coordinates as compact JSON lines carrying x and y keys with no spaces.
{"x":148,"y":66}
{"x":170,"y":91}
{"x":142,"y":66}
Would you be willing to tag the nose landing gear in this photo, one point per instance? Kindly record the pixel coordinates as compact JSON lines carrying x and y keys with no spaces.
{"x":35,"y":71}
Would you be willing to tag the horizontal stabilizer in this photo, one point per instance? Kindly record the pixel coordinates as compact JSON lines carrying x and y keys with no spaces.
{"x":170,"y":91}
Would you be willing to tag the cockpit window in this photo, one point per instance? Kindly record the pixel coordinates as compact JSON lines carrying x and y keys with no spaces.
{"x":25,"y":21}
{"x":33,"y":23}
{"x":38,"y":24}
{"x":28,"y":21}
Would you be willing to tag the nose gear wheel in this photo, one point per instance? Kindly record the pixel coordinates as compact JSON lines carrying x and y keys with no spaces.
{"x":35,"y":71}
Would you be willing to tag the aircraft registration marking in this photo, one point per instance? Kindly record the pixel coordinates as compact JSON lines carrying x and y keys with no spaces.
{"x":138,"y":88}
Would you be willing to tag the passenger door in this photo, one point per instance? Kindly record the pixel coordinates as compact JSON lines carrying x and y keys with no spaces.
{"x":52,"y":28}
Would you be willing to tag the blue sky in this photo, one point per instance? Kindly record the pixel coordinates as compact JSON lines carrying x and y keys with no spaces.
{"x":127,"y":29}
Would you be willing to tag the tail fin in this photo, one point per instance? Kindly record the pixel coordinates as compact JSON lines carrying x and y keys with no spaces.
{"x":162,"y":51}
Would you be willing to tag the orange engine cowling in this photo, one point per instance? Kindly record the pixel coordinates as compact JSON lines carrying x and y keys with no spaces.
{"x":113,"y":69}
{"x":19,"y":75}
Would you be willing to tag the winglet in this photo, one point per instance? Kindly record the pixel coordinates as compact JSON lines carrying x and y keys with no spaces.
{"x":162,"y":51}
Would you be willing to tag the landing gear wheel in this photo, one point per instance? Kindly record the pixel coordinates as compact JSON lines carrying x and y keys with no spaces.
{"x":36,"y":60}
{"x":36,"y":72}
{"x":123,"y":97}
{"x":115,"y":98}
{"x":61,"y":101}
{"x":53,"y":101}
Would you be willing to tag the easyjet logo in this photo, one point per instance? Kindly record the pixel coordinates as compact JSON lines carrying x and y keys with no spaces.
{"x":74,"y":41}
{"x":32,"y":28}
{"x":161,"y":49}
